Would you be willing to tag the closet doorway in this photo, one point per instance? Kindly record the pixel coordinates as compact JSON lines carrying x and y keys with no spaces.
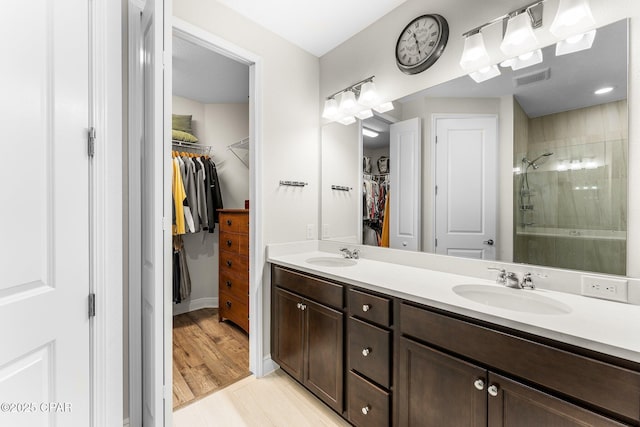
{"x":210,"y":191}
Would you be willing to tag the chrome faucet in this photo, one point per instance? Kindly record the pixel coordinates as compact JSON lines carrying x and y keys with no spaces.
{"x":511,"y":280}
{"x":354,"y":254}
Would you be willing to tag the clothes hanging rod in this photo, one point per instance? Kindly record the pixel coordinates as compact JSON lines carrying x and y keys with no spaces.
{"x":340,"y":188}
{"x":191,"y":145}
{"x":294,"y":183}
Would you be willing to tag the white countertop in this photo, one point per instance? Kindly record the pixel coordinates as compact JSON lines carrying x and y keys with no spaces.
{"x":607,"y":327}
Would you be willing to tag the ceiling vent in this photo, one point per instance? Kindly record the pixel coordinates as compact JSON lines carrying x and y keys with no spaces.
{"x":536,"y":76}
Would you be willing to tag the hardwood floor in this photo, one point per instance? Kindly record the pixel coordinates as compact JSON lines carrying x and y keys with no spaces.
{"x":275,"y":400}
{"x":207,"y":355}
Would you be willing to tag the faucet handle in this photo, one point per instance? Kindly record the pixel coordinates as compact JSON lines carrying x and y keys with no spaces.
{"x":502,"y":274}
{"x":355,"y":253}
{"x":527,"y":281}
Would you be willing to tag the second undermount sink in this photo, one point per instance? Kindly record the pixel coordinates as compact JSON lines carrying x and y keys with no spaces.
{"x":327,"y":261}
{"x":521,"y":300}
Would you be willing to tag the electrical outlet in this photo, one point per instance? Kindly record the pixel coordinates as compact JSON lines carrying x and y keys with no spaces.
{"x":604,"y":287}
{"x":325,"y":231}
{"x":310,"y":233}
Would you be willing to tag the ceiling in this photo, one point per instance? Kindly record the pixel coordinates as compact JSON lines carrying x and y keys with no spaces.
{"x":208,"y":77}
{"x":573,"y":78}
{"x":315,"y":26}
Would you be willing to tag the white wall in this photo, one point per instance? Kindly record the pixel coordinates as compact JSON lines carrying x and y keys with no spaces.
{"x":215,"y":125}
{"x":370,"y":52}
{"x":290,"y":125}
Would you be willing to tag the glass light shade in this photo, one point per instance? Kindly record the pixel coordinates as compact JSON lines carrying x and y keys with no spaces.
{"x":347,"y":120}
{"x":576,"y":43}
{"x":330,"y":111}
{"x":484,"y":74}
{"x":368,"y":95}
{"x":369,"y":133}
{"x":573,"y":17}
{"x":519,"y":37}
{"x":364,"y":114}
{"x":526,"y":60}
{"x":474,"y":55}
{"x":348,"y":104}
{"x":384,"y":107}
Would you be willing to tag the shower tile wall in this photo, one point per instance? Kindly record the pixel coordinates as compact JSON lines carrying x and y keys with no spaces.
{"x":579,"y":191}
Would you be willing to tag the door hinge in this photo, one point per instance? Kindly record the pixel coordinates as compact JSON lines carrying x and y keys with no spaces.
{"x":436,"y":139}
{"x":91,"y":141}
{"x":436,"y":243}
{"x":436,"y":190}
{"x":92,"y":305}
{"x":166,"y":224}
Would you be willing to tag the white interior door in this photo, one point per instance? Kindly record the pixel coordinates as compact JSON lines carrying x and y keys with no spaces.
{"x":405,"y":174}
{"x":466,"y":183}
{"x":155,"y":158}
{"x":44,"y":255}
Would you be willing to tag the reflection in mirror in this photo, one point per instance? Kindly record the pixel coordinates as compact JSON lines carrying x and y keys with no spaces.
{"x":561,"y":165}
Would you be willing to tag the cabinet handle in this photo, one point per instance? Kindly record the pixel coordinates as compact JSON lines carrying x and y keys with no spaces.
{"x":366,"y":307}
{"x":229,"y":283}
{"x":366,"y":351}
{"x":228,"y":222}
{"x":299,"y":305}
{"x":365,"y":409}
{"x":229,"y":304}
{"x":303,"y":307}
{"x":479,"y":384}
{"x":492,"y":390}
{"x":229,"y":243}
{"x":229,"y":263}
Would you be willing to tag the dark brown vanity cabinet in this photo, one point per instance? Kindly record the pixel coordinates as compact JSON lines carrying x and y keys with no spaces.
{"x":307,"y":337}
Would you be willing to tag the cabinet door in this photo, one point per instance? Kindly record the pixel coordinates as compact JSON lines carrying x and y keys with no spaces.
{"x":437,"y":390}
{"x":517,"y":405}
{"x":324,"y":351}
{"x":288,"y":332}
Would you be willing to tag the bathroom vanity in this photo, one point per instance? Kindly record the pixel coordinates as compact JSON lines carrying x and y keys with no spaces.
{"x":421,"y":352}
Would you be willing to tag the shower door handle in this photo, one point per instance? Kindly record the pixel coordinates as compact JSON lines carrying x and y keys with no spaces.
{"x":488,"y":242}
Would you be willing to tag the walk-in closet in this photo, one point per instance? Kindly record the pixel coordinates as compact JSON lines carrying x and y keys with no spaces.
{"x":210,"y":194}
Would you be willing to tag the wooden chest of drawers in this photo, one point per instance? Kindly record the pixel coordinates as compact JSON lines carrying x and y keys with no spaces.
{"x":233,"y":287}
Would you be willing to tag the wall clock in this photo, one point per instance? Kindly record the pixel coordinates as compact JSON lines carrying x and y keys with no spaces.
{"x":421,"y":43}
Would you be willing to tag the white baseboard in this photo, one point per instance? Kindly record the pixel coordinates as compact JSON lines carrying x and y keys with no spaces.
{"x":196,"y":304}
{"x":125,"y":423}
{"x":268,"y":365}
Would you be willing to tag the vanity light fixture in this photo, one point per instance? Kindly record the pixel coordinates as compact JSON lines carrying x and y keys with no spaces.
{"x":369,"y":133}
{"x":574,"y":24}
{"x":485,"y":73}
{"x":357,"y":100}
{"x":576,"y":43}
{"x":519,"y":38}
{"x":474,"y":54}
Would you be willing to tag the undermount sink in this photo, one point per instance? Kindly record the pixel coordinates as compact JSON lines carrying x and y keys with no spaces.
{"x":327,"y":261}
{"x":521,"y":300}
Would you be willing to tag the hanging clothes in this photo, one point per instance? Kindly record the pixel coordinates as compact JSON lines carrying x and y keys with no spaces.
{"x":374,"y":210}
{"x":189,"y":179}
{"x":213,"y":193}
{"x":181,"y":277}
{"x":179,"y":198}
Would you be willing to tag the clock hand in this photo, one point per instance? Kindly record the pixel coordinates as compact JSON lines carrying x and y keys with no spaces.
{"x":417,"y":43}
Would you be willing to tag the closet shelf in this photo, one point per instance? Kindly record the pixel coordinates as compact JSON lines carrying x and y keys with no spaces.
{"x":206,"y":149}
{"x":243,"y":155}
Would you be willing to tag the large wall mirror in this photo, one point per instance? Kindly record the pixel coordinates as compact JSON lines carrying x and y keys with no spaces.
{"x":528,"y":167}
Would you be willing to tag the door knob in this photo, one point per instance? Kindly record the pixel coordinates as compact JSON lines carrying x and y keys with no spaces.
{"x":488,"y":242}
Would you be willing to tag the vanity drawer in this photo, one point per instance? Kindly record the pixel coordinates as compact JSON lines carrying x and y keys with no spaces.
{"x":235,"y":309}
{"x":229,"y":242}
{"x":234,"y":262}
{"x":369,"y":307}
{"x":612,"y":388}
{"x":230,"y":221}
{"x":324,"y":292}
{"x":367,"y":405}
{"x":369,"y":351}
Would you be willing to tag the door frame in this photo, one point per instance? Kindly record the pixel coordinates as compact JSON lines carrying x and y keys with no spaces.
{"x":219,"y":45}
{"x":432,"y":147}
{"x":106,"y":228}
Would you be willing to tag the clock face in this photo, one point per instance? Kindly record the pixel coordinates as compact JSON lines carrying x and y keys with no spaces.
{"x":421,"y":43}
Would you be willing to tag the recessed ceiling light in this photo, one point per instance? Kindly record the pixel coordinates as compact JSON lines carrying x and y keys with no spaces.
{"x":369,"y":133}
{"x":603,"y":90}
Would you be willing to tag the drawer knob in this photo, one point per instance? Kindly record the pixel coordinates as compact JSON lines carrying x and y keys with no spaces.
{"x":229,"y":304}
{"x":492,"y":390}
{"x":479,"y":384}
{"x":365,"y":409}
{"x":229,"y":243}
{"x":366,"y":351}
{"x":366,"y":307}
{"x":229,"y":283}
{"x":229,"y":263}
{"x":228,"y":222}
